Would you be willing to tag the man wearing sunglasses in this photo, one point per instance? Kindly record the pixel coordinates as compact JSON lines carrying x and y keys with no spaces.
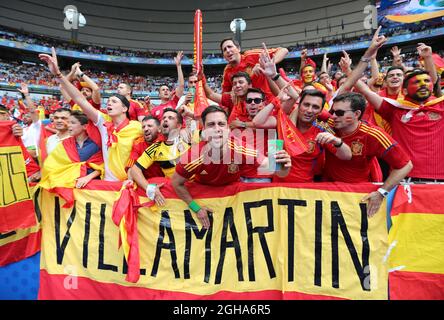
{"x":366,"y":142}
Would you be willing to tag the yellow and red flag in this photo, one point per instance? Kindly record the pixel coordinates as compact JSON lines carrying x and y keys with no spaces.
{"x":294,"y":141}
{"x":416,"y":239}
{"x":16,"y":206}
{"x":278,"y":241}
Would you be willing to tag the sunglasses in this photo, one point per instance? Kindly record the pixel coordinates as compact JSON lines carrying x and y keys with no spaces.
{"x":256,"y":100}
{"x":339,"y":113}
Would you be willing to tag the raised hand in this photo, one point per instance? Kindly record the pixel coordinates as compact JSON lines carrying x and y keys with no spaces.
{"x":23,"y":89}
{"x":178,"y":58}
{"x":51,"y":61}
{"x":267,"y":64}
{"x":424,"y":50}
{"x":377,"y":42}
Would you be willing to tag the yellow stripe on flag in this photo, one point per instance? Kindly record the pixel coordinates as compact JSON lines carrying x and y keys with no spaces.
{"x":419,"y":242}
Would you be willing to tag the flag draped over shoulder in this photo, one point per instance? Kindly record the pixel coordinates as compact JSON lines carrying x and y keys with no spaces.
{"x":63,"y":166}
{"x":120,"y":144}
{"x":16,"y":207}
{"x":200,"y":99}
{"x":402,"y":103}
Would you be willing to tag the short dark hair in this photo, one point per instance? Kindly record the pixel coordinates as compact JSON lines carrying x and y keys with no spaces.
{"x":344,"y":76}
{"x":146,"y":118}
{"x":357,"y":101}
{"x":312,"y":93}
{"x":4,"y":108}
{"x":179,"y":116}
{"x":229,"y":39}
{"x":80,"y":116}
{"x":322,"y":72}
{"x":163,"y":84}
{"x":393,"y":68}
{"x":241,"y":74}
{"x":128,"y":86}
{"x":62,"y":109}
{"x":256,"y":90}
{"x":212,"y":109}
{"x":411,"y":74}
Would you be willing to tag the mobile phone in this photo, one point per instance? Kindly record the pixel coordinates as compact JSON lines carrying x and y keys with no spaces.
{"x":274,"y":145}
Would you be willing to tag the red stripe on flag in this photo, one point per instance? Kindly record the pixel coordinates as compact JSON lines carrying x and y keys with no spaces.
{"x":17,"y":216}
{"x":52,"y":287}
{"x":405,"y":285}
{"x":20,"y":249}
{"x":199,"y":191}
{"x":421,"y":202}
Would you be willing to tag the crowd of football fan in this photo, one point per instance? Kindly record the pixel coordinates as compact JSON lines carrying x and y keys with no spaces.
{"x":335,"y":124}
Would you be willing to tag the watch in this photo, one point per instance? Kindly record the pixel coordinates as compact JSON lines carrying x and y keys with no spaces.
{"x":276,"y":76}
{"x":383,"y":192}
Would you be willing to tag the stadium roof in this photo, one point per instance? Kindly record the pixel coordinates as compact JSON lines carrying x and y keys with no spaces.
{"x":168,"y":25}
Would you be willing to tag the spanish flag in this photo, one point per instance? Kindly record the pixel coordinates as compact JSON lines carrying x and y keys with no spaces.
{"x":416,"y":239}
{"x":62,"y":168}
{"x":16,"y":207}
{"x":120,"y":142}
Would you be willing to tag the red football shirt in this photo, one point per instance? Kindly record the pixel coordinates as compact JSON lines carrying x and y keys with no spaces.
{"x":303,"y":166}
{"x":234,"y":163}
{"x":158,"y":110}
{"x":136,"y":109}
{"x":366,"y":142}
{"x":248,"y":60}
{"x":139,"y":146}
{"x":421,"y":135}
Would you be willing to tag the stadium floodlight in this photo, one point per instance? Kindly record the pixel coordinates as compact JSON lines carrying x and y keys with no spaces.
{"x":237,"y":26}
{"x":72,"y":15}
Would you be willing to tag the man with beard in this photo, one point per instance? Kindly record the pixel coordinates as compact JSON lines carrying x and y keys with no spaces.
{"x":417,"y":120}
{"x":151,"y":129}
{"x":166,"y":153}
{"x":218,"y":161}
{"x":247,"y":62}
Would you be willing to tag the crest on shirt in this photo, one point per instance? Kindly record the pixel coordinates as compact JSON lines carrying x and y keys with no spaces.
{"x":311,"y":146}
{"x":434,"y":116}
{"x":356,"y":148}
{"x":233,"y":168}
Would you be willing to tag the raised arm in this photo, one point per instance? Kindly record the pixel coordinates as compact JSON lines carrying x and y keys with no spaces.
{"x":280,"y":54}
{"x":96,"y":96}
{"x":29,"y":103}
{"x":375,"y":44}
{"x":426,"y":53}
{"x":75,"y":94}
{"x":181,"y":81}
{"x":324,"y":63}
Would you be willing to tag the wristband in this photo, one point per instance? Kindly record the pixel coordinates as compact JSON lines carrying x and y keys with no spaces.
{"x":194,"y":206}
{"x":59,"y":75}
{"x":276,"y":76}
{"x":151,"y":191}
{"x":366,"y":60}
{"x":81,"y":75}
{"x":339,"y":144}
{"x":383,"y":192}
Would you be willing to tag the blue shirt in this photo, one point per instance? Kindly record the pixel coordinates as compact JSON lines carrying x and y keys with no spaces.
{"x":88,"y":149}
